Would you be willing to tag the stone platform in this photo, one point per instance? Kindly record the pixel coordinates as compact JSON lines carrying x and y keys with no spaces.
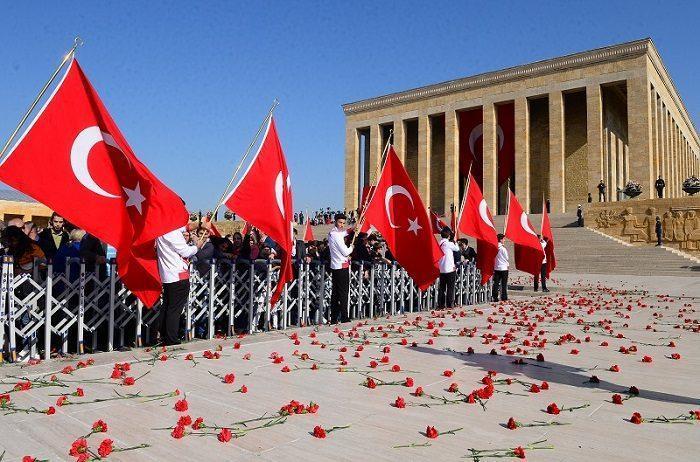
{"x":598,"y":430}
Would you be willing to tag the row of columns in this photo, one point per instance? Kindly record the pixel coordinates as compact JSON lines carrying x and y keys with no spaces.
{"x":653,"y":149}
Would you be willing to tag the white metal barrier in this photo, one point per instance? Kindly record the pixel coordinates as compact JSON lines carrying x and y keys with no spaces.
{"x":46,"y":310}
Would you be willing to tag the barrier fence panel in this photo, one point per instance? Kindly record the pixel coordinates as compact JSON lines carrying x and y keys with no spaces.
{"x":72,"y":310}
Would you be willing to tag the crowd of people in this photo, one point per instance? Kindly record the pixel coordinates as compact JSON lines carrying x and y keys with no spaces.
{"x":324,"y":216}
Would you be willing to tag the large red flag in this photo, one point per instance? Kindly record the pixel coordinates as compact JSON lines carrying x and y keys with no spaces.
{"x":547,"y":232}
{"x":436,"y":222}
{"x":506,"y":141}
{"x":397,"y":212}
{"x":74,"y":159}
{"x":471,"y":150}
{"x":528,"y":250}
{"x":308,"y":232}
{"x":476,"y":221}
{"x":263,"y":198}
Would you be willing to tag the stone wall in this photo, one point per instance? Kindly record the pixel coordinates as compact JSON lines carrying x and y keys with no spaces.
{"x":575,"y":149}
{"x":539,"y":153}
{"x":634,"y":221}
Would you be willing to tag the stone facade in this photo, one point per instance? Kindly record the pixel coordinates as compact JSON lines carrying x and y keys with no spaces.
{"x":634,"y":221}
{"x":26,"y":209}
{"x":612,"y":113}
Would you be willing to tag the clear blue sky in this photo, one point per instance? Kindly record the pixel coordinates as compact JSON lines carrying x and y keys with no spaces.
{"x":189,"y":82}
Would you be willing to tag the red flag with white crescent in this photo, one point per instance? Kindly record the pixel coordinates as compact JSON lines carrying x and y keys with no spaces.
{"x":397,"y":212}
{"x":263,"y":198}
{"x":74,"y":159}
{"x":436,"y":222}
{"x":476,"y":221}
{"x":528,"y":250}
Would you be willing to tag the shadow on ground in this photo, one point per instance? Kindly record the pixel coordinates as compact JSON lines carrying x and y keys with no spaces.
{"x":553,"y":373}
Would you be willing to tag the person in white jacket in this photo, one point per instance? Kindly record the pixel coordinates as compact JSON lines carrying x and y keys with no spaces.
{"x":340,"y":270}
{"x":173,"y":265}
{"x":448,"y":274}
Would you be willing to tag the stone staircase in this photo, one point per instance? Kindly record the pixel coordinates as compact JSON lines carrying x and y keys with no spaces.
{"x":582,"y":250}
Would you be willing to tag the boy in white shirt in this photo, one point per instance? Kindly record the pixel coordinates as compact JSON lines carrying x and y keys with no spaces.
{"x":500,"y":272}
{"x":446,"y":287}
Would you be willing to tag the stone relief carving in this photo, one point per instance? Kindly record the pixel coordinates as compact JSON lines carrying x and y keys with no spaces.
{"x":680,"y":225}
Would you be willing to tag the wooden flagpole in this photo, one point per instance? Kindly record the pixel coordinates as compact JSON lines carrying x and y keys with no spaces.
{"x":464,"y":200}
{"x":77,"y":42}
{"x":275,"y":103}
{"x":380,"y":165}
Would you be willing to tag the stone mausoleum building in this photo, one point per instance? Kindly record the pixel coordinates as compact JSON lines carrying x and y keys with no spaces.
{"x":551,"y":129}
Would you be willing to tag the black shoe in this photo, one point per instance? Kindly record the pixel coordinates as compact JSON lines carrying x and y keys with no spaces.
{"x":545,"y":290}
{"x":535,"y":289}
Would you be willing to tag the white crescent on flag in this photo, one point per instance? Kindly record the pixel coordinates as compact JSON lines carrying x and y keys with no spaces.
{"x":526,"y":225}
{"x":391,"y":191}
{"x":484,"y":215}
{"x":79,"y":153}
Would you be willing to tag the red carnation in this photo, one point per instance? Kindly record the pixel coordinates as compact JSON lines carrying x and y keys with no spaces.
{"x":178,"y":432}
{"x":418,"y":392}
{"x":519,"y":452}
{"x":185,"y":420}
{"x":51,"y":410}
{"x":400,"y":403}
{"x":430,"y":432}
{"x":243,"y":389}
{"x":448,"y":373}
{"x":616,"y":399}
{"x":229,"y":378}
{"x":540,"y":357}
{"x":544,"y":386}
{"x":408,"y":382}
{"x":99,"y":427}
{"x":454,"y":388}
{"x":61,"y":400}
{"x":181,"y":405}
{"x":636,"y":418}
{"x":106,"y":447}
{"x":224,"y":435}
{"x":633,"y":390}
{"x":370,"y":383}
{"x":647,"y":359}
{"x":553,"y":409}
{"x":78,"y":447}
{"x":534,"y":388}
{"x":198,"y":423}
{"x":128,"y":381}
{"x":675,"y":356}
{"x":511,"y":425}
{"x":319,"y":432}
{"x":286,"y":369}
{"x":615,"y":368}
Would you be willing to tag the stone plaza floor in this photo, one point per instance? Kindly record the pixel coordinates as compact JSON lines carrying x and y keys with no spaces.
{"x":477,"y":367}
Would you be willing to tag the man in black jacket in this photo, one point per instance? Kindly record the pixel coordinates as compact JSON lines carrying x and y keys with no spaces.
{"x":92,"y":251}
{"x":53,"y":237}
{"x":660,"y":185}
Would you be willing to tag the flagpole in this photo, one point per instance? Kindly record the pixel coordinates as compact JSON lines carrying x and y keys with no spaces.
{"x":505,"y":223}
{"x":361,"y":218}
{"x":76,"y":43}
{"x":275,"y":103}
{"x":464,"y":199}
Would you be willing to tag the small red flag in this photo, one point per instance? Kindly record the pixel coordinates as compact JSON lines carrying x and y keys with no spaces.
{"x":308,"y":232}
{"x":74,"y":159}
{"x":528,"y":250}
{"x":476,"y":221}
{"x":397,"y":212}
{"x":214,"y":230}
{"x":436,"y":223}
{"x":547,"y":232}
{"x":263,"y":198}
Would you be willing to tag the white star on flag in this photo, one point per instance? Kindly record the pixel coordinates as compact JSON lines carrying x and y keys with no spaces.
{"x":413,"y":226}
{"x":134,"y":198}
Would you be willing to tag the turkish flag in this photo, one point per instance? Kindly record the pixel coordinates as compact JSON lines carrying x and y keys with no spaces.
{"x":246,"y":228}
{"x":308,"y":232}
{"x":263,"y":198}
{"x":476,"y":221}
{"x":528,"y":250}
{"x":397,"y":212}
{"x":471,"y":148}
{"x":74,"y":159}
{"x":436,"y":223}
{"x":506,"y":141}
{"x":547,"y":232}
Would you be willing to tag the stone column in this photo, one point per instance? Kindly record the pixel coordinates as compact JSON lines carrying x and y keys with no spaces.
{"x":522,"y":153}
{"x":594,"y":127}
{"x":399,"y":140}
{"x":490,"y":143}
{"x":556,"y":152}
{"x":639,"y":132}
{"x":375,"y":152}
{"x":451,"y":160}
{"x":352,"y":169}
{"x":424,"y":159}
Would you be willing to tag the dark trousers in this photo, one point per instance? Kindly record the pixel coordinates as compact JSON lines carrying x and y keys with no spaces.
{"x":175,"y":296}
{"x":658,"y":239}
{"x":500,"y":279}
{"x":660,"y":192}
{"x":601,"y":196}
{"x":339,"y":295}
{"x":446,"y":290}
{"x":543,"y":276}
